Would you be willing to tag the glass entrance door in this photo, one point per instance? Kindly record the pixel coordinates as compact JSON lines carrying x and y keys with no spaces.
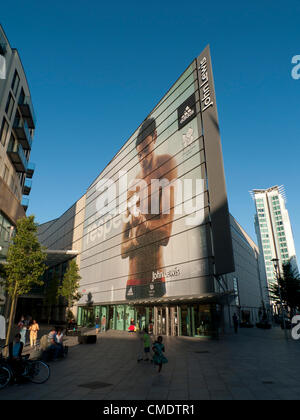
{"x":87,"y":317}
{"x":173,"y":321}
{"x":120,"y":317}
{"x":185,"y":320}
{"x":161,"y":321}
{"x":129,"y":316}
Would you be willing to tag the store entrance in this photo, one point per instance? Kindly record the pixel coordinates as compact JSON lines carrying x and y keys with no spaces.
{"x":87,"y":317}
{"x":185,"y":320}
{"x":161,"y":321}
{"x":173,"y":321}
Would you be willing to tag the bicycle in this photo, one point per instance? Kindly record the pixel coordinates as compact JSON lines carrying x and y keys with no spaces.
{"x":35,"y":371}
{"x":5,"y":371}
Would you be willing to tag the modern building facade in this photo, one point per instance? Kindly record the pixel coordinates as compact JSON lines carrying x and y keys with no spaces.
{"x":273,"y":229}
{"x":153,"y":236}
{"x":17,"y":125}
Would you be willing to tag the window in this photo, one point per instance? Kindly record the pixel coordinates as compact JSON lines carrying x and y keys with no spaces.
{"x":9,"y":106}
{"x":22,"y":97}
{"x":12,"y":183}
{"x":6,"y":232}
{"x":5,"y":174}
{"x":16,"y":192}
{"x":236,"y":290}
{"x":15,"y":83}
{"x":4,"y":132}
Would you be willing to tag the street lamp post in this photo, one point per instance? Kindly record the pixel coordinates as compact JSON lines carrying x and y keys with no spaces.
{"x":276,"y":268}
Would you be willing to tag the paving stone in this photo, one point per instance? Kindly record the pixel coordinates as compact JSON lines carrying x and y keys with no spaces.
{"x":238,"y":367}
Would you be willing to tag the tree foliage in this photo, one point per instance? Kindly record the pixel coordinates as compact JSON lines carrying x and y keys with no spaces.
{"x":289,"y":284}
{"x":70,"y":285}
{"x":25,"y":263}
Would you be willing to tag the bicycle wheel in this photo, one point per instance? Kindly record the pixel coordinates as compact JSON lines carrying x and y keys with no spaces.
{"x":38,"y":372}
{"x":5,"y":376}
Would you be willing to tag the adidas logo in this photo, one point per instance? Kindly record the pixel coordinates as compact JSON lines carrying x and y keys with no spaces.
{"x":130,"y":292}
{"x":2,"y":67}
{"x":188,"y":112}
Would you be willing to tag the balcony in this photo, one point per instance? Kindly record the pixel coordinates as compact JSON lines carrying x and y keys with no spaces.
{"x":30,"y":169}
{"x":3,"y":48}
{"x":27,"y":111}
{"x":17,"y":157}
{"x":24,"y":203}
{"x":22,"y":132}
{"x":27,"y":186}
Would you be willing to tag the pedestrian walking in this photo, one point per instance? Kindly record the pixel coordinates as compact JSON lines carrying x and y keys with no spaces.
{"x":147,"y":344}
{"x":22,"y":329}
{"x":235,"y":323}
{"x":103,"y":323}
{"x":97,"y":322}
{"x":34,"y":328}
{"x":159,"y":358}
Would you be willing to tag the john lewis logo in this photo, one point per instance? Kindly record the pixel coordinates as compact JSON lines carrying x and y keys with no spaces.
{"x":205,"y":92}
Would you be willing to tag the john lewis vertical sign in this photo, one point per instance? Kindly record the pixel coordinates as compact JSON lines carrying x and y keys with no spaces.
{"x":219,"y":213}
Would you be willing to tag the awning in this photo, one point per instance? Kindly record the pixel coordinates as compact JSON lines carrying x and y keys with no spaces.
{"x":55,"y":257}
{"x":218,"y":298}
{"x":203,"y":298}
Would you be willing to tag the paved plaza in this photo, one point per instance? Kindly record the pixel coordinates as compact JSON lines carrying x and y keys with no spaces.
{"x":252,"y":365}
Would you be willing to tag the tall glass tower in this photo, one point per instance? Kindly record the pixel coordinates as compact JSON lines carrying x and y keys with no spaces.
{"x":273,"y":229}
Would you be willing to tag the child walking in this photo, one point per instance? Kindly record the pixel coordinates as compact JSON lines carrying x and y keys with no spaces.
{"x":147,"y":343}
{"x":159,"y":357}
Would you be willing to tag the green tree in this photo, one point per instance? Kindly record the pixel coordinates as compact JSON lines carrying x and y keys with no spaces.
{"x":289,"y":284}
{"x":51,"y":294}
{"x":70,"y":285}
{"x":25,"y":265}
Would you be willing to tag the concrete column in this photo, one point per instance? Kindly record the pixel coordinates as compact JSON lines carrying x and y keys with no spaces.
{"x":167,"y":321}
{"x":155,"y":321}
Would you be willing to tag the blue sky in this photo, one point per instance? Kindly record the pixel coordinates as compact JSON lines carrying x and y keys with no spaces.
{"x":96,"y":69}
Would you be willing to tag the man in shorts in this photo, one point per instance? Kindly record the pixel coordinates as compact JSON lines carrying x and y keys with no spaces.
{"x":145,"y":234}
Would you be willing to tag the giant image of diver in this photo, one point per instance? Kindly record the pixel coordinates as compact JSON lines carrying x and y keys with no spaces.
{"x":144,"y":234}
